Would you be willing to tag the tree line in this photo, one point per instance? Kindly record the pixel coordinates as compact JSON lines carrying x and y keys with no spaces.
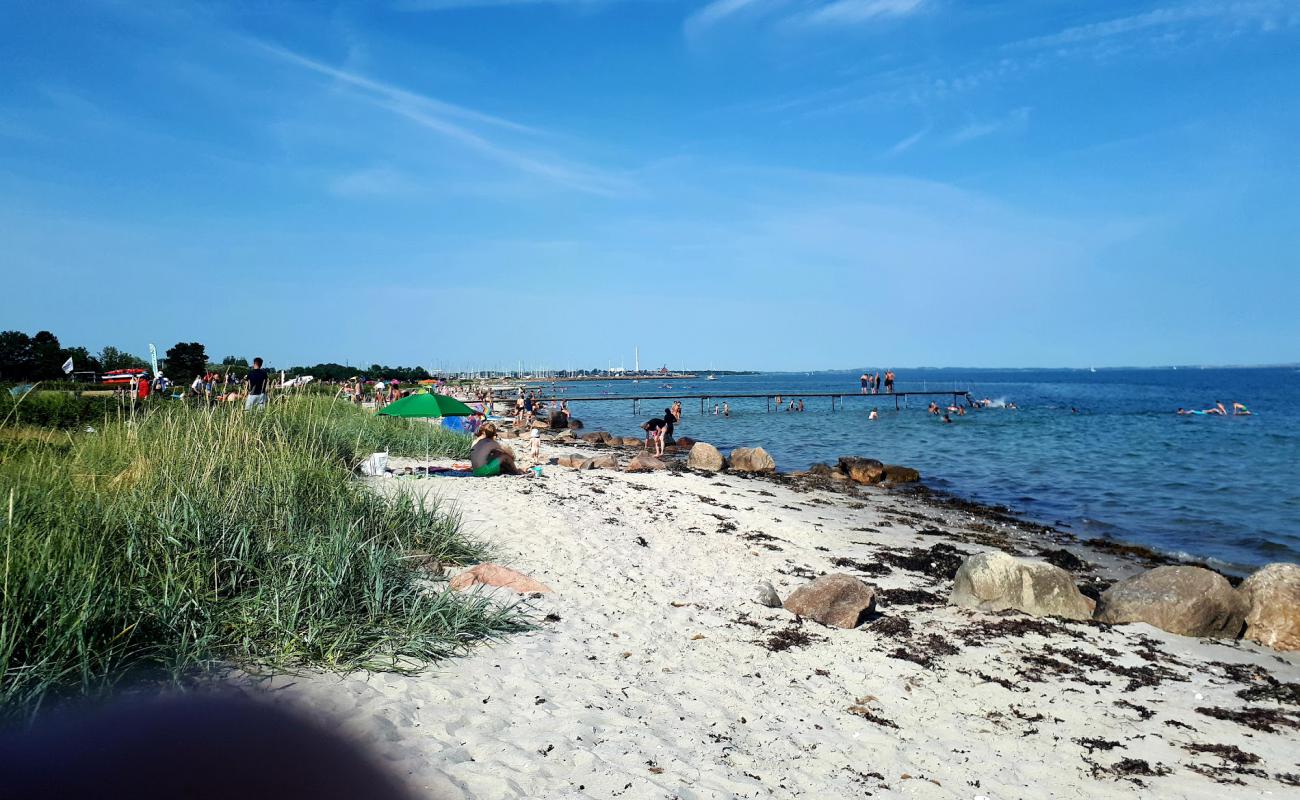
{"x":40,"y":357}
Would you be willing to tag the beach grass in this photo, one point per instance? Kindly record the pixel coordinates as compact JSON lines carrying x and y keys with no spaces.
{"x":189,"y":540}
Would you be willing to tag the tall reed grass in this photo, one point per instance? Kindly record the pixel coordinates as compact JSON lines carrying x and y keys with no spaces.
{"x":189,"y":539}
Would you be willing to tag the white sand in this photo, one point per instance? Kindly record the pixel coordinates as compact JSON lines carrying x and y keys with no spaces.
{"x":654,"y":684}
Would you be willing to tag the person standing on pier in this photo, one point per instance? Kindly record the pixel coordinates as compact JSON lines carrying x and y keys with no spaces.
{"x":865,"y":382}
{"x":889,"y":381}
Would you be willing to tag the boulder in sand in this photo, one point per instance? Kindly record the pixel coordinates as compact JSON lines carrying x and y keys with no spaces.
{"x":751,"y":459}
{"x":704,"y":456}
{"x":571,"y":460}
{"x":541,"y":426}
{"x":862,"y":470}
{"x":558,"y":421}
{"x":1191,"y":601}
{"x":575,"y":424}
{"x":632,"y":441}
{"x":821,"y":470}
{"x":497,"y":575}
{"x":603,"y":462}
{"x":996,"y":581}
{"x":644,"y":463}
{"x":896,"y":474}
{"x":565,"y":436}
{"x":838,"y":600}
{"x":595,"y":437}
{"x":1273,"y":596}
{"x":611,"y":439}
{"x":685,"y":442}
{"x":765,"y":595}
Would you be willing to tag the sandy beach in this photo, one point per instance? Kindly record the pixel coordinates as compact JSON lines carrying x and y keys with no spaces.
{"x":653,"y":672}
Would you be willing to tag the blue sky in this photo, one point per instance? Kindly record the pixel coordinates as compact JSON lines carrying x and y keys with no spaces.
{"x":773,"y":184}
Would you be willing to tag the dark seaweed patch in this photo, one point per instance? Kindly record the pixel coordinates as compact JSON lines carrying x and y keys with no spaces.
{"x":986,"y":630}
{"x":908,"y":597}
{"x":872,"y":569}
{"x":897,"y":627}
{"x":868,"y":714}
{"x":1267,"y":720}
{"x":1097,"y":744}
{"x":939,"y":561}
{"x":788,"y":638}
{"x":1064,"y":559}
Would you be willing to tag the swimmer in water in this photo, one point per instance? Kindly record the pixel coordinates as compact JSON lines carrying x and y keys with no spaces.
{"x":947,"y":418}
{"x":1218,"y":409}
{"x":1240,"y":410}
{"x":875,"y":414}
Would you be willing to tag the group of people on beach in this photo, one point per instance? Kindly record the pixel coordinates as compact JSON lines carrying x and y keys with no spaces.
{"x":1218,"y":410}
{"x":870,"y":382}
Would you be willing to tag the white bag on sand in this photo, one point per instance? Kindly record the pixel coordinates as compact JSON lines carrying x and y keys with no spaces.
{"x":375,"y":465}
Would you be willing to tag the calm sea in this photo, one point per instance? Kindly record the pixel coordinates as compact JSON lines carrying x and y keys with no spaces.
{"x":1124,"y":467}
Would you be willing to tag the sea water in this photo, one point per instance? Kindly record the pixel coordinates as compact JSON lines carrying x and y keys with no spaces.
{"x":1102,"y":453}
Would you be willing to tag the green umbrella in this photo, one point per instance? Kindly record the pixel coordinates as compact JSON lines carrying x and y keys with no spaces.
{"x":427,"y":405}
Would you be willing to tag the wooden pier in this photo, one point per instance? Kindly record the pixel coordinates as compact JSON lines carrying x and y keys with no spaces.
{"x":836,"y":398}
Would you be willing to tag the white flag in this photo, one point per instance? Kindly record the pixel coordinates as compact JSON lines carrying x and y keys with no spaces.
{"x":67,"y":366}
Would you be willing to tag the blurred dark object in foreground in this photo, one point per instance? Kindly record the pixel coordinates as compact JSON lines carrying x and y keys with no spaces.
{"x":188,"y":748}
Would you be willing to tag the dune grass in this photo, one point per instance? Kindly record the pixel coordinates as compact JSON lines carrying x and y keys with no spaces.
{"x":190,"y":539}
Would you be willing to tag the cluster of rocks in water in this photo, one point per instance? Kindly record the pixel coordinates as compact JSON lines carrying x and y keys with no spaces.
{"x":1185,"y":600}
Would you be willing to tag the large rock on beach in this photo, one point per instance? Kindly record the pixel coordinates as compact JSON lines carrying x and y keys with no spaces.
{"x":685,"y":442}
{"x":897,"y":474}
{"x":565,"y":436}
{"x":575,"y":424}
{"x":996,"y":581}
{"x":559,"y":421}
{"x":497,"y":575}
{"x":751,"y":459}
{"x":705,"y":456}
{"x":611,"y":439}
{"x":632,"y":441}
{"x":862,"y":470}
{"x":838,"y":600}
{"x":602,"y":462}
{"x":644,"y":463}
{"x":595,"y":437}
{"x":1273,"y":597}
{"x":1191,"y":601}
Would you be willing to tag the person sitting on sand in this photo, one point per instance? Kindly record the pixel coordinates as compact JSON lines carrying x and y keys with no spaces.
{"x":1240,"y":410}
{"x":489,"y":457}
{"x":654,"y":436}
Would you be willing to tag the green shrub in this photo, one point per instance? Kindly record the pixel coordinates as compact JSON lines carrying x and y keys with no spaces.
{"x":190,"y":538}
{"x":61,"y":409}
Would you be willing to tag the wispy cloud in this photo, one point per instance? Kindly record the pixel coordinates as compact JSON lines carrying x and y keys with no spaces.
{"x":448,"y":5}
{"x":454,"y":122}
{"x":1223,"y":18}
{"x":842,"y":12}
{"x":1014,"y":122}
{"x":907,"y":143}
{"x":719,"y":10}
{"x":792,"y":14}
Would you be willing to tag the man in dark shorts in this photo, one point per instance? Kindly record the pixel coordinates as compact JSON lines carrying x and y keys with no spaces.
{"x":256,"y":381}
